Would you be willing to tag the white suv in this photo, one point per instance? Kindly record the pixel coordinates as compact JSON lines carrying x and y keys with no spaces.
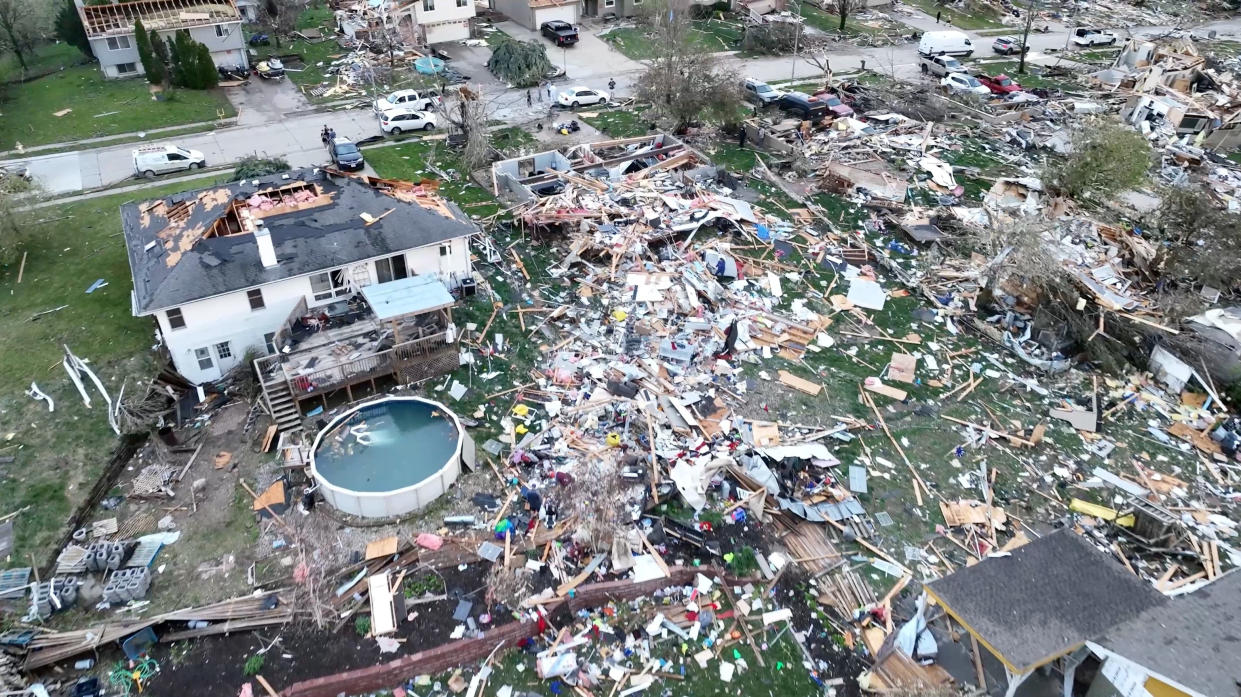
{"x":399,"y":121}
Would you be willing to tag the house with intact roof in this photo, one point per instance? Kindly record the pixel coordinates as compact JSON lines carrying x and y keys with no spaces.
{"x":336,"y":281}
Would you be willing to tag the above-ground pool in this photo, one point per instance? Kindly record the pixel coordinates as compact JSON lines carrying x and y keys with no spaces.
{"x":387,"y":457}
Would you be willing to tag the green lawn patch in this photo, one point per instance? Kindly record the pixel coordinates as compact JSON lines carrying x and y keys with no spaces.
{"x":100,"y":108}
{"x":619,"y":123}
{"x":712,"y":35}
{"x":413,"y":161}
{"x":1033,"y":76}
{"x":43,"y":59}
{"x":975,"y":18}
{"x":827,"y":22}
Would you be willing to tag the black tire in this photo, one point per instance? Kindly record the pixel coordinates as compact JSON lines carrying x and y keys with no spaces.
{"x":195,"y":165}
{"x":925,"y":69}
{"x":968,"y":54}
{"x":149,"y":174}
{"x":1112,"y":42}
{"x":428,"y":126}
{"x":574,"y":104}
{"x":395,"y":131}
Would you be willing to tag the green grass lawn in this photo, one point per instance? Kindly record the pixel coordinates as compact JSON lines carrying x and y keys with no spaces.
{"x":42,"y":59}
{"x":619,"y":123}
{"x":28,"y":108}
{"x":411,"y":161}
{"x":1033,"y":76}
{"x":977,"y":18}
{"x":828,"y":22}
{"x":712,"y":35}
{"x":60,"y":454}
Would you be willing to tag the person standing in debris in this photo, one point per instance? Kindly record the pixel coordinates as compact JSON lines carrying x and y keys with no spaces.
{"x":612,"y":87}
{"x":549,"y":90}
{"x":741,"y":136}
{"x":529,"y":99}
{"x":937,"y":13}
{"x":323,"y":134}
{"x":540,"y":89}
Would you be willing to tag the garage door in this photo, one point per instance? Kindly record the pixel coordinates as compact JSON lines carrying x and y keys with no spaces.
{"x":566,"y":13}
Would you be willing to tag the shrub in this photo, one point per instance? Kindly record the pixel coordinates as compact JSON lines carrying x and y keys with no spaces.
{"x":254,"y":664}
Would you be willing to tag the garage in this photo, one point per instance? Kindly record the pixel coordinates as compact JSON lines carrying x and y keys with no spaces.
{"x":548,"y":10}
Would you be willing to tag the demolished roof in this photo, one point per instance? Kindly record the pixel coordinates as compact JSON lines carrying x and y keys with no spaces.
{"x":1192,"y":639}
{"x":197,"y":244}
{"x":156,"y":15}
{"x":1043,"y":599}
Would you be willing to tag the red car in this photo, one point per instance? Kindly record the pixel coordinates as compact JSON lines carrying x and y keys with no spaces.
{"x":834,"y":105}
{"x":1000,"y":84}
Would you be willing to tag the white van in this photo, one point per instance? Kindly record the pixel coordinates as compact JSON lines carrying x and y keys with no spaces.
{"x":159,"y":159}
{"x":952,"y":43}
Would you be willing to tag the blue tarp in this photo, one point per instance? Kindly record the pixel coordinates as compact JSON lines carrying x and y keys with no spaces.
{"x":407,"y":296}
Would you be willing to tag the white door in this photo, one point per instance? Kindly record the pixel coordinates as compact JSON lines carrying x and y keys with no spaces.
{"x":566,"y":13}
{"x":226,"y":356}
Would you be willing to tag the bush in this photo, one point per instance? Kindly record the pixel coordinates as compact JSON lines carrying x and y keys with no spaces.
{"x":1204,"y":240}
{"x":254,"y":664}
{"x":362,"y":625}
{"x":744,"y":561}
{"x":254,"y":166}
{"x":1106,"y":158}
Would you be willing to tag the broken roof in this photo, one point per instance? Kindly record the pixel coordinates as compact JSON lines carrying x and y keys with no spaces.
{"x":195,"y":245}
{"x":1193,"y":639}
{"x":1043,"y":599}
{"x":156,"y":15}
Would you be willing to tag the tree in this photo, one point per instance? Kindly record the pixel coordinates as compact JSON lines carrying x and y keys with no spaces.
{"x":1106,"y":158}
{"x":519,"y":63}
{"x":282,"y":16}
{"x":69,"y":27}
{"x":255,"y":166}
{"x":684,"y":82}
{"x":16,"y":218}
{"x":23,"y":24}
{"x":191,"y":63}
{"x":151,"y":64}
{"x":1203,"y":239}
{"x":207,"y":75}
{"x":844,"y":8}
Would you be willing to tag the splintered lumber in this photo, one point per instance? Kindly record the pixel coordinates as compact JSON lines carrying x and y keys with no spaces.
{"x":800,"y":384}
{"x":901,"y":451}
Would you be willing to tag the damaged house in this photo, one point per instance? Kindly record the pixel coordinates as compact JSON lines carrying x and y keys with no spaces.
{"x":335,"y":280}
{"x":110,"y":30}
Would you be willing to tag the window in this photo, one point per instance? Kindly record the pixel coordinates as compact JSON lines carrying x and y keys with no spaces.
{"x":269,"y":340}
{"x":446,"y":249}
{"x":637,"y":2}
{"x":176,"y":157}
{"x":609,"y":3}
{"x":428,"y":5}
{"x":328,"y":285}
{"x":204,"y":358}
{"x":175,"y":319}
{"x":118,"y":43}
{"x":255,"y":296}
{"x":219,"y":31}
{"x":224,"y":349}
{"x":462,"y":3}
{"x":126,"y":68}
{"x":391,"y":269}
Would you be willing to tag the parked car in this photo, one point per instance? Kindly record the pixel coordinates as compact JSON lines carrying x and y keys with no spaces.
{"x":345,"y":154}
{"x":960,"y":82}
{"x":398,"y":121}
{"x":1000,"y":84}
{"x":940,"y":66}
{"x":834,"y":105}
{"x":807,"y":107}
{"x":1007,"y":46}
{"x":759,"y":92}
{"x":160,"y":159}
{"x":559,"y":32}
{"x":418,"y":100}
{"x":581,"y":96}
{"x":952,"y":43}
{"x":1084,"y":36}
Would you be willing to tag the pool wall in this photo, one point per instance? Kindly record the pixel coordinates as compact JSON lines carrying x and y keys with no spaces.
{"x":396,"y":502}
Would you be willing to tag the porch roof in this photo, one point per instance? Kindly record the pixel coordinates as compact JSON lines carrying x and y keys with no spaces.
{"x":414,"y":295}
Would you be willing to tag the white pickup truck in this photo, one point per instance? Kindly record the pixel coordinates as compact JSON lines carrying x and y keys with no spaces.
{"x":1083,"y":36}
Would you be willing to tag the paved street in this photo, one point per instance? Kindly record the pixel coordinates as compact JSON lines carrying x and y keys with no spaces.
{"x":274,"y":119}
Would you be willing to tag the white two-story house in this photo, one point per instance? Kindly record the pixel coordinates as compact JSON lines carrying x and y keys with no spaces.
{"x":433,"y":21}
{"x":281,"y":265}
{"x":110,"y":29}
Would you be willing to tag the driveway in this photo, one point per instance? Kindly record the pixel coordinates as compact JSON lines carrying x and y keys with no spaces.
{"x":266,"y":101}
{"x":592,"y":61}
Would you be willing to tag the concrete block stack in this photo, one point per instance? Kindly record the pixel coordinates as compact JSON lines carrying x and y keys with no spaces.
{"x":105,"y":556}
{"x":127,"y":584}
{"x":64,"y":590}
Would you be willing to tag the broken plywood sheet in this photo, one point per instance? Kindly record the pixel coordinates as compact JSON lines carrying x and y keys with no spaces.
{"x":903,"y":367}
{"x":874,"y":385}
{"x":970,"y":512}
{"x":385,"y":547}
{"x":273,"y":496}
{"x":867,"y":294}
{"x":800,"y":384}
{"x":383,"y":611}
{"x":1199,"y":440}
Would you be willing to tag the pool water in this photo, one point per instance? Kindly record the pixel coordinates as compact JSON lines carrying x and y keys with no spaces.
{"x":387,"y":446}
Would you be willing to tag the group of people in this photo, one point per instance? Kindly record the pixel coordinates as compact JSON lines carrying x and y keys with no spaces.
{"x":327,"y":135}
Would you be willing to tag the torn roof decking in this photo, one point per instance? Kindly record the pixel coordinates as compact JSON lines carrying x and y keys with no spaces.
{"x":1194,"y":639}
{"x":178,"y":253}
{"x":156,"y":15}
{"x":1043,"y":600}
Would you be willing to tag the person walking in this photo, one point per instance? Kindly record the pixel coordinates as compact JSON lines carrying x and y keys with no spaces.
{"x":540,"y":90}
{"x":612,"y":87}
{"x":741,"y":136}
{"x":549,"y":90}
{"x":937,"y":13}
{"x":529,"y":99}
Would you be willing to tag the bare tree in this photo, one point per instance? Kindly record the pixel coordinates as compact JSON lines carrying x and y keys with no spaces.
{"x":281,"y":15}
{"x":23,"y":24}
{"x":844,"y":8}
{"x":683,"y":81}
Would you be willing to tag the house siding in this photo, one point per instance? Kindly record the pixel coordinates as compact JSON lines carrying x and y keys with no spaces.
{"x":229,"y":49}
{"x":446,"y":22}
{"x":228,"y":317}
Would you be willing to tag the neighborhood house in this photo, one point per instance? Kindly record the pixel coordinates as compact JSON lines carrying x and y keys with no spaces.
{"x":110,"y":29}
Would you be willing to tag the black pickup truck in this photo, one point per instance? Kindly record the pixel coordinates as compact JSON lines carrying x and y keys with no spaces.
{"x":560,"y":32}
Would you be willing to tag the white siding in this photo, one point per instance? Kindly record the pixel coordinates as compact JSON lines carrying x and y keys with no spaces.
{"x":447,"y":22}
{"x":229,"y":318}
{"x":567,"y":13}
{"x":229,"y":49}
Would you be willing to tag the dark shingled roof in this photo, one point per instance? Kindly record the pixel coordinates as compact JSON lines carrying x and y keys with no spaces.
{"x":1194,"y":639}
{"x":1047,"y":598}
{"x":183,"y":266}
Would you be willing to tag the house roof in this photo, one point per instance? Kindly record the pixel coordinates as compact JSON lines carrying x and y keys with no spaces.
{"x":196,"y":244}
{"x":1193,"y":639}
{"x":156,"y":15}
{"x":1044,"y":599}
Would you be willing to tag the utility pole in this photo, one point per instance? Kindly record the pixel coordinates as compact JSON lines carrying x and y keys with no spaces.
{"x":796,"y":42}
{"x":1025,"y":37}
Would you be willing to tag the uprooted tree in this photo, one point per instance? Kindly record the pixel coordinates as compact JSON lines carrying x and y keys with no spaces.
{"x":1106,"y":158}
{"x":684,"y":82}
{"x":772,"y":38}
{"x":255,"y":166}
{"x":1203,"y":239}
{"x":519,"y":63}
